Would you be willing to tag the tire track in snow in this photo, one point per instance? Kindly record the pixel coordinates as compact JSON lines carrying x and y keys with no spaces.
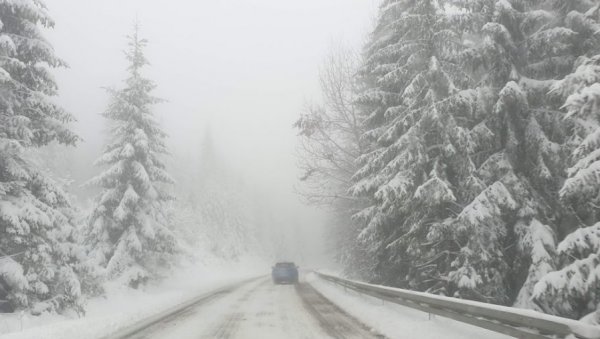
{"x":150,"y":328}
{"x":334,"y":321}
{"x":228,"y":327}
{"x":262,"y":310}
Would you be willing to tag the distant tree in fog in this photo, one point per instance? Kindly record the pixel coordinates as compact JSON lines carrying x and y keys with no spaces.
{"x":330,"y":132}
{"x":213,"y":215}
{"x":39,"y":257}
{"x":330,"y":143}
{"x":129,"y":232}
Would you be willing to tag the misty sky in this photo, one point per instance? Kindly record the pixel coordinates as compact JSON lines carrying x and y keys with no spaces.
{"x":242,"y":67}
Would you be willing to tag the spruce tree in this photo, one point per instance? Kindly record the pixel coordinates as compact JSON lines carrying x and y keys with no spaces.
{"x":466,"y":150}
{"x":572,"y":290}
{"x":128,"y":228}
{"x":421,"y":131}
{"x":518,"y":50}
{"x":221,"y":207}
{"x":39,"y":258}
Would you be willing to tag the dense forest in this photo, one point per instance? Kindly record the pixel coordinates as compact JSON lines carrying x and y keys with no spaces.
{"x":458,"y":153}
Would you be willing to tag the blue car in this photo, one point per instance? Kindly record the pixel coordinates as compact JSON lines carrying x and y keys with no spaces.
{"x":285,"y":273}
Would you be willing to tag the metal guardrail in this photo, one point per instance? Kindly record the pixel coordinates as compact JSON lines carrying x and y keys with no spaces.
{"x":518,"y":323}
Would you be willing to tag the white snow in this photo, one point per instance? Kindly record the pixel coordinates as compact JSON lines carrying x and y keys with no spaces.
{"x":395,"y":321}
{"x":123,"y":306}
{"x":257,"y":310}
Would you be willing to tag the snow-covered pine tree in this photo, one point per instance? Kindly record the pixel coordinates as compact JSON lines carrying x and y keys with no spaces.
{"x":572,"y":291}
{"x":38,"y":255}
{"x":422,"y":130}
{"x":538,"y":243}
{"x":517,"y":50}
{"x":221,"y":206}
{"x":382,"y":78}
{"x":129,"y":232}
{"x":578,"y":91}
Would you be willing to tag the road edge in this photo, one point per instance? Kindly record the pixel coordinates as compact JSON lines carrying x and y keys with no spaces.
{"x":142,"y":324}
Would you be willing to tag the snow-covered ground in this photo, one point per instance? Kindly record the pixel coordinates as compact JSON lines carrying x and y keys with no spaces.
{"x":395,"y":321}
{"x":256,"y":310}
{"x":259,"y":309}
{"x":123,"y":306}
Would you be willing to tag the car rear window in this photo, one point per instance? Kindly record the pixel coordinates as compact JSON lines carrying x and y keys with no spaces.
{"x":284,"y":264}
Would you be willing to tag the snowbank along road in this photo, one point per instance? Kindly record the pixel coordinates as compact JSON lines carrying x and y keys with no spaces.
{"x":258,"y":309}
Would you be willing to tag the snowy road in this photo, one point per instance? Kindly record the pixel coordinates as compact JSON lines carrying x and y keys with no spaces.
{"x":260,"y":309}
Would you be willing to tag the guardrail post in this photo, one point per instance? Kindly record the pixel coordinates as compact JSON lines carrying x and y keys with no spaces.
{"x":21,"y":316}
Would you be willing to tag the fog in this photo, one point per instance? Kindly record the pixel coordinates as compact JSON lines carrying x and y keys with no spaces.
{"x":240,"y":70}
{"x":232,"y":168}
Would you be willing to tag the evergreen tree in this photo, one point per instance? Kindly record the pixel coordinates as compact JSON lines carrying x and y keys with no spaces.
{"x":579,"y":91}
{"x":39,"y":258}
{"x":221,"y":205}
{"x":422,"y":129}
{"x":572,"y":291}
{"x":129,"y":228}
{"x":538,"y":243}
{"x":465,"y":150}
{"x":518,"y":49}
